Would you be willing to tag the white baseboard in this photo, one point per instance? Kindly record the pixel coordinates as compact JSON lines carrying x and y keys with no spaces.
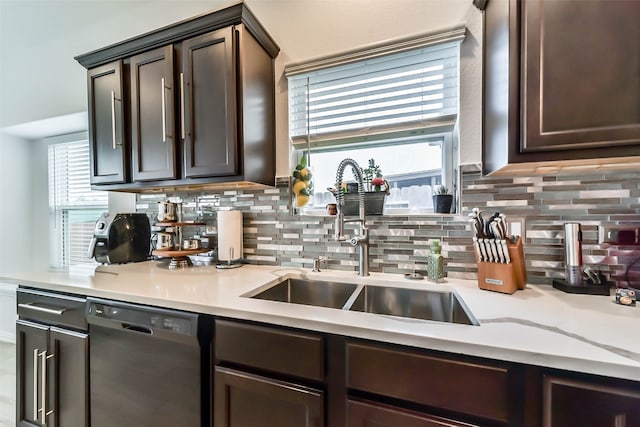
{"x":7,"y":337}
{"x":8,"y":312}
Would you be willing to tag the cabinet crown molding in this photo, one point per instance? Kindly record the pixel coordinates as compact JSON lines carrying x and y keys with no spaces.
{"x":232,"y":15}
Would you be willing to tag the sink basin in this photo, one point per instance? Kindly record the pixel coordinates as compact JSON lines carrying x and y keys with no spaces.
{"x":441,"y":306}
{"x":309,"y":292}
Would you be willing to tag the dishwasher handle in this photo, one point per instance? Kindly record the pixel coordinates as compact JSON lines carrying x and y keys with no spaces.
{"x":136,"y":328}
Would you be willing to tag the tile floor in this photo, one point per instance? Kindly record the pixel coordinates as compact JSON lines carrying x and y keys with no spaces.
{"x":7,"y":384}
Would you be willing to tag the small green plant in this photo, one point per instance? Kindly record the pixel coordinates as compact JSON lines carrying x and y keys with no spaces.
{"x":441,"y":190}
{"x":373,"y":176}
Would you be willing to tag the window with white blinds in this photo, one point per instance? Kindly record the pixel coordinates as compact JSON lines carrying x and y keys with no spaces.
{"x":378,"y":96}
{"x":394,"y":103}
{"x":74,"y":207}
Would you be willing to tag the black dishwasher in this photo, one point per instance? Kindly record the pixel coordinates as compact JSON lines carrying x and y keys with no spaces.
{"x":148,"y":366}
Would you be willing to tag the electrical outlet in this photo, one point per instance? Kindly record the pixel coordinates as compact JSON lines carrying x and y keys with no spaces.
{"x":618,"y":235}
{"x":516,"y":226}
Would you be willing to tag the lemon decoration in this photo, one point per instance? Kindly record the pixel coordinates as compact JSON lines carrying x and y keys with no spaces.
{"x":301,"y":200}
{"x":302,"y":185}
{"x":299,"y":186}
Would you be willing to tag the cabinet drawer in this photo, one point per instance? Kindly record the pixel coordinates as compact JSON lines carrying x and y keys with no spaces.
{"x":278,"y":350}
{"x":461,"y":386}
{"x":51,"y":308}
{"x":571,"y":402}
{"x":365,"y":414}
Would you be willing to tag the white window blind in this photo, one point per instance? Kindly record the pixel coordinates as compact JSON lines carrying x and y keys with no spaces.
{"x":73,"y":205}
{"x":378,"y":97}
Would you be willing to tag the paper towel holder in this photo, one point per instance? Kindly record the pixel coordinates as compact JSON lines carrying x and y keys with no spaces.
{"x":231,"y":263}
{"x":229,"y":239}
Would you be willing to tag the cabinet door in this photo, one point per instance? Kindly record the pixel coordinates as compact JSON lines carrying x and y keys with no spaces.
{"x":108,"y":148}
{"x":152,"y":121}
{"x":208,"y":105}
{"x":571,"y":403}
{"x":246,"y":400}
{"x":31,"y":347}
{"x":69,"y":380}
{"x":581,"y":75}
{"x":368,"y":414}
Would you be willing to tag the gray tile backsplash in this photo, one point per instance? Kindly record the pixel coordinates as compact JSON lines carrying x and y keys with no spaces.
{"x":400,"y":244}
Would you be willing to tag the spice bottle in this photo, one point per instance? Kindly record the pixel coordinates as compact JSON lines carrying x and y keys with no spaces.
{"x":435,"y":271}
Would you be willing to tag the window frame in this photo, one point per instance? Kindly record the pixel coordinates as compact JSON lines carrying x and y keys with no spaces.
{"x":59,"y":256}
{"x":444,"y":126}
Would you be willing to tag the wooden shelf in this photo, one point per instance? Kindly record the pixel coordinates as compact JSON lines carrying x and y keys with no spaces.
{"x":166,"y":253}
{"x":179,"y":224}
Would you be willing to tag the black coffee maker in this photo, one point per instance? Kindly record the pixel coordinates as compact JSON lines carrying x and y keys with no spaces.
{"x":120,"y":238}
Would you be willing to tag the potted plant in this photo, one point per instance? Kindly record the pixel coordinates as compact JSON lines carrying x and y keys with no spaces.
{"x":442,"y":200}
{"x":376,"y":189}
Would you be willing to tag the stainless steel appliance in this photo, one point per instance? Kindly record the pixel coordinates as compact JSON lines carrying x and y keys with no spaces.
{"x":149,"y":367}
{"x":120,"y":238}
{"x":578,"y":279}
{"x":573,"y":253}
{"x":169,"y":211}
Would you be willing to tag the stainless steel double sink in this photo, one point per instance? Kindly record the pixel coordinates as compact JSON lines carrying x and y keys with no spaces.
{"x":425,"y":304}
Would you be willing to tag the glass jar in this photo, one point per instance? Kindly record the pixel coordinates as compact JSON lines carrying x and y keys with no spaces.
{"x":302,"y":188}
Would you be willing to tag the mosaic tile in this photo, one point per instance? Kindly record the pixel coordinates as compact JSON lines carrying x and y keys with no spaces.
{"x":398,"y":244}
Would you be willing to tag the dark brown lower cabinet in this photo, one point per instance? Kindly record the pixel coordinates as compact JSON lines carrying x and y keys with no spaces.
{"x":369,"y":414}
{"x":577,"y":403}
{"x":468,"y":388}
{"x":52,"y":386}
{"x":247,"y":400}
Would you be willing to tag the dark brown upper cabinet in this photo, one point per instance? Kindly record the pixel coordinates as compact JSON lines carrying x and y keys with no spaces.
{"x":208,"y":105}
{"x":561,"y":84}
{"x":198,"y":99}
{"x":153,"y":136}
{"x":108,"y":145}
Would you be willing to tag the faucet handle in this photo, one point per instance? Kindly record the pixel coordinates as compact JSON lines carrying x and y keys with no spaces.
{"x":316,"y":263}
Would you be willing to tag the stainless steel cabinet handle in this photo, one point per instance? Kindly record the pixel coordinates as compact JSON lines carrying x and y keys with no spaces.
{"x":42,"y":309}
{"x":164,"y":114}
{"x":182,"y":124}
{"x":35,"y":384}
{"x":113,"y":118}
{"x":43,"y":383}
{"x":45,"y":413}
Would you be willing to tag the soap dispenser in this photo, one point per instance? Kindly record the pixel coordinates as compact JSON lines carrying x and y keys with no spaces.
{"x":435,"y":263}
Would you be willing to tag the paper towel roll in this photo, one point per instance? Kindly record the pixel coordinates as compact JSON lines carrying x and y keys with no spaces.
{"x":229,"y":235}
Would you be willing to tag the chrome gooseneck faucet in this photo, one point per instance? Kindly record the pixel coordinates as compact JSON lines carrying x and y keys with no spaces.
{"x":362,"y":241}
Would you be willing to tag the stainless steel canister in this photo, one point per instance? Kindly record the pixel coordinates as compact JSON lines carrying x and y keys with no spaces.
{"x":573,"y":253}
{"x":166,"y":211}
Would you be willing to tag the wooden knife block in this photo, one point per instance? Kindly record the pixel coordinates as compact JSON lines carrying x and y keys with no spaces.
{"x":505,"y":278}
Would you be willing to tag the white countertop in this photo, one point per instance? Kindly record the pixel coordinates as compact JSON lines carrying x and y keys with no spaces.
{"x":539,"y":325}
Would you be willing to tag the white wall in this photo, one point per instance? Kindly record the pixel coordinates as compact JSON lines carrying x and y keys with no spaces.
{"x":16,"y":239}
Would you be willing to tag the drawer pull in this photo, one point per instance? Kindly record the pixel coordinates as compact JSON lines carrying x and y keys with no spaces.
{"x":42,"y":309}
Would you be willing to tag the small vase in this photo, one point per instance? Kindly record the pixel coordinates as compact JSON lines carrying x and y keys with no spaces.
{"x":442,"y":203}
